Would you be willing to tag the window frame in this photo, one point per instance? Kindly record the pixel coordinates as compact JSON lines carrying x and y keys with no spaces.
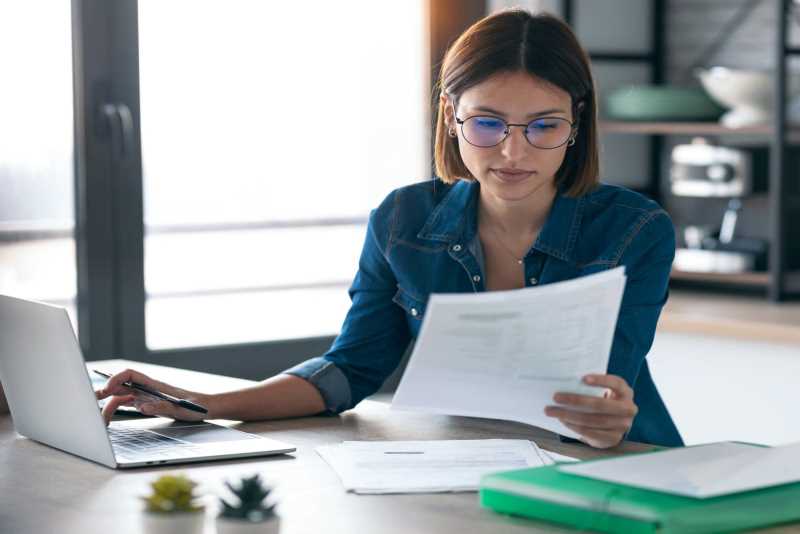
{"x":109,"y":227}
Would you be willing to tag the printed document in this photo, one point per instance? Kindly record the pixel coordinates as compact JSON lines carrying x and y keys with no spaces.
{"x":427,"y":466}
{"x":701,"y":471}
{"x":504,"y":354}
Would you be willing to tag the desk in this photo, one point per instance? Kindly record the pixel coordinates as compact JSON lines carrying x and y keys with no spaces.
{"x":43,"y":490}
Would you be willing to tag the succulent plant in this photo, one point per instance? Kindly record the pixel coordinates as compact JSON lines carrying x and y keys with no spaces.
{"x":251,"y":493}
{"x":172,"y":494}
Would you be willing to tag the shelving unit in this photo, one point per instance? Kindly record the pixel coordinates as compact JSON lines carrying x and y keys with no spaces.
{"x":744,"y":279}
{"x":693,"y":128}
{"x":755,"y":134}
{"x":782,"y":279}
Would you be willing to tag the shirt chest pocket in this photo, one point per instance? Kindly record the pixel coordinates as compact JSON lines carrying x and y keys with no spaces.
{"x":414,"y":307}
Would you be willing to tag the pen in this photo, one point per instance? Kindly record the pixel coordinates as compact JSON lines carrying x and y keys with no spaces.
{"x":183,"y":403}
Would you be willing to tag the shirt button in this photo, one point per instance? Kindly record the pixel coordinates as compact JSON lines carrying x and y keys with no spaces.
{"x":476,"y":278}
{"x":456,"y":248}
{"x":533,"y":281}
{"x":414,"y":312}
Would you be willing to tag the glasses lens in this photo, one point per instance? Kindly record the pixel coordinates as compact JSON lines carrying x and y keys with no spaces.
{"x":548,"y":132}
{"x":483,"y":131}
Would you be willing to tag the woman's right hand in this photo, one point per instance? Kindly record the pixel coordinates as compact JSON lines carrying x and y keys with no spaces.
{"x":145,"y":403}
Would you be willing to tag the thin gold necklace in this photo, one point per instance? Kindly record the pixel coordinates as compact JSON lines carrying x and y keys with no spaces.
{"x":508,"y":249}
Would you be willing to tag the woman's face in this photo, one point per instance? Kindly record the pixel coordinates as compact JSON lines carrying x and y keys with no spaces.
{"x":513,"y":170}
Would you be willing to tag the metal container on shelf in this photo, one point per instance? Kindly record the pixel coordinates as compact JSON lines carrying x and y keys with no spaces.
{"x":700,"y":169}
{"x":722,"y":251}
{"x":695,"y":260}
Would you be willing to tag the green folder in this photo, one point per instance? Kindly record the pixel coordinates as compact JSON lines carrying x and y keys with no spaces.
{"x":547,"y":494}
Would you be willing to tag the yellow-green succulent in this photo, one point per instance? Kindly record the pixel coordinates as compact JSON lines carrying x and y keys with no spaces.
{"x":172,"y":494}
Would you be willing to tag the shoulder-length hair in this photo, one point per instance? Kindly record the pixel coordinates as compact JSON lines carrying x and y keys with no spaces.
{"x":543,"y":46}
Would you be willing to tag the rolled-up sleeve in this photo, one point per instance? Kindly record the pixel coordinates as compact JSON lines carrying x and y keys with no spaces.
{"x":328,"y":379}
{"x":374,"y":335}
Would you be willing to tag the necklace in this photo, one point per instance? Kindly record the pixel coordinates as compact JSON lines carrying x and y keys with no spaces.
{"x":506,"y":247}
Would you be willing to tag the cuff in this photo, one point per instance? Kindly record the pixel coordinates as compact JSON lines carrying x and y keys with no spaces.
{"x":328,"y":379}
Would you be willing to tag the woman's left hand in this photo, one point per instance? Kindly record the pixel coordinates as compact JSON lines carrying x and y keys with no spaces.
{"x":600,"y":421}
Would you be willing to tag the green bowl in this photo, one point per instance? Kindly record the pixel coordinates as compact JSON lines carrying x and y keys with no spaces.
{"x":661,"y":103}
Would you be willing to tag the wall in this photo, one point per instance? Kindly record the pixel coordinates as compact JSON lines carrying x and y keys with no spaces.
{"x":728,"y":389}
{"x":694,"y":24}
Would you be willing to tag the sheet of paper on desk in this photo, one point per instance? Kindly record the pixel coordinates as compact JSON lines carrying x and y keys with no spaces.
{"x":504,"y":354}
{"x":426,"y":466}
{"x":701,"y":471}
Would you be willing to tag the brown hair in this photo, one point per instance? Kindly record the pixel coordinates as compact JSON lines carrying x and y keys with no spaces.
{"x":511,"y":41}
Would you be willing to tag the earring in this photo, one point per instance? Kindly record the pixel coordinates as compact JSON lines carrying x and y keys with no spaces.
{"x":571,"y":141}
{"x":451,"y":132}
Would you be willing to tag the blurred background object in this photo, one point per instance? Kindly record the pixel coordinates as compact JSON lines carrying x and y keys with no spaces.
{"x":748,"y":94}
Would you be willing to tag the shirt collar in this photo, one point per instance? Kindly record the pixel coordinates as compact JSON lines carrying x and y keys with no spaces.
{"x":455,"y":219}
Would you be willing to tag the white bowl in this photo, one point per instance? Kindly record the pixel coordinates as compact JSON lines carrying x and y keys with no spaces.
{"x":747,"y":92}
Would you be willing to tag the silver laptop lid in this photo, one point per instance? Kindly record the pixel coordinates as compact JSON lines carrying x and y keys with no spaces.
{"x":45,"y":380}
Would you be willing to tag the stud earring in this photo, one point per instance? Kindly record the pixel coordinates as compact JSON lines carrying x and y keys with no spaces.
{"x":451,"y":132}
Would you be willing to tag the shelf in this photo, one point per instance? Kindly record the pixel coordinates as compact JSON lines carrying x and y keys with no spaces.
{"x":743,"y":316}
{"x":749,"y":279}
{"x":689,"y":128}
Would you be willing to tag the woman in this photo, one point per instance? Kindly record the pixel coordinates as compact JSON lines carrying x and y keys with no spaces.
{"x":516,"y":203}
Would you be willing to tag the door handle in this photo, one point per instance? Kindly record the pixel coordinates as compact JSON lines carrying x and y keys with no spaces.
{"x":120,"y":121}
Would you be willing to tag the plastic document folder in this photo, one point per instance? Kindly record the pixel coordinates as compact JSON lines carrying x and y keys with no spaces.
{"x":551,"y":494}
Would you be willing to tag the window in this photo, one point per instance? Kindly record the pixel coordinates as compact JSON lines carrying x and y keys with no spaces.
{"x":37,"y":245}
{"x":269,"y":130}
{"x":186,"y":176}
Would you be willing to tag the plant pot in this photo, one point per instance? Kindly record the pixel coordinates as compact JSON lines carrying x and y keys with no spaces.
{"x":238,"y":526}
{"x":177,"y":523}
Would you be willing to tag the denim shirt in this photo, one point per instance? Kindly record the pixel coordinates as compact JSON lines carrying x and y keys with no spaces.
{"x":423,"y":239}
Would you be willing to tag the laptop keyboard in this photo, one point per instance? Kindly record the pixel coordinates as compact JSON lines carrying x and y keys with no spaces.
{"x":130,"y":442}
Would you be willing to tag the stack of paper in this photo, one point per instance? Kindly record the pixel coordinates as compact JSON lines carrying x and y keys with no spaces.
{"x":504,"y":354}
{"x":427,"y":466}
{"x":701,"y":471}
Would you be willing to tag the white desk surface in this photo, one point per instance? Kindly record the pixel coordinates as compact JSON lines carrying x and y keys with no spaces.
{"x":43,"y":490}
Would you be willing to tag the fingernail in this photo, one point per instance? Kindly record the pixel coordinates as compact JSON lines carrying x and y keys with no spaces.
{"x":589,"y":379}
{"x":145,"y":409}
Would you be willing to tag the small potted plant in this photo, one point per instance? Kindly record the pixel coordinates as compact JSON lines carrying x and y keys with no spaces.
{"x":252,"y":513}
{"x":173,"y":508}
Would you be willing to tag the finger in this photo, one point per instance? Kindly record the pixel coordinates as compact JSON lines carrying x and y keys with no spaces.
{"x":115,"y":402}
{"x":102,"y":393}
{"x":616,"y":383}
{"x":590,"y":420}
{"x":600,"y":439}
{"x":167,"y":409}
{"x":586,"y":403}
{"x":115,"y":386}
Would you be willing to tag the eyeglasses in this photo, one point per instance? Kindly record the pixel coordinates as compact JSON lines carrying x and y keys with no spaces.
{"x":544,"y":132}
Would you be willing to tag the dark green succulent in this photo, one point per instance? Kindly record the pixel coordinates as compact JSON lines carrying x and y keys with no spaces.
{"x":172,"y":494}
{"x":251,"y":493}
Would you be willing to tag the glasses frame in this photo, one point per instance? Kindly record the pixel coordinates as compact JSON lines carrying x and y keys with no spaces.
{"x":570,"y":137}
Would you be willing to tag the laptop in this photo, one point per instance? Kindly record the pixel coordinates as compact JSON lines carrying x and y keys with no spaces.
{"x":51,"y":399}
